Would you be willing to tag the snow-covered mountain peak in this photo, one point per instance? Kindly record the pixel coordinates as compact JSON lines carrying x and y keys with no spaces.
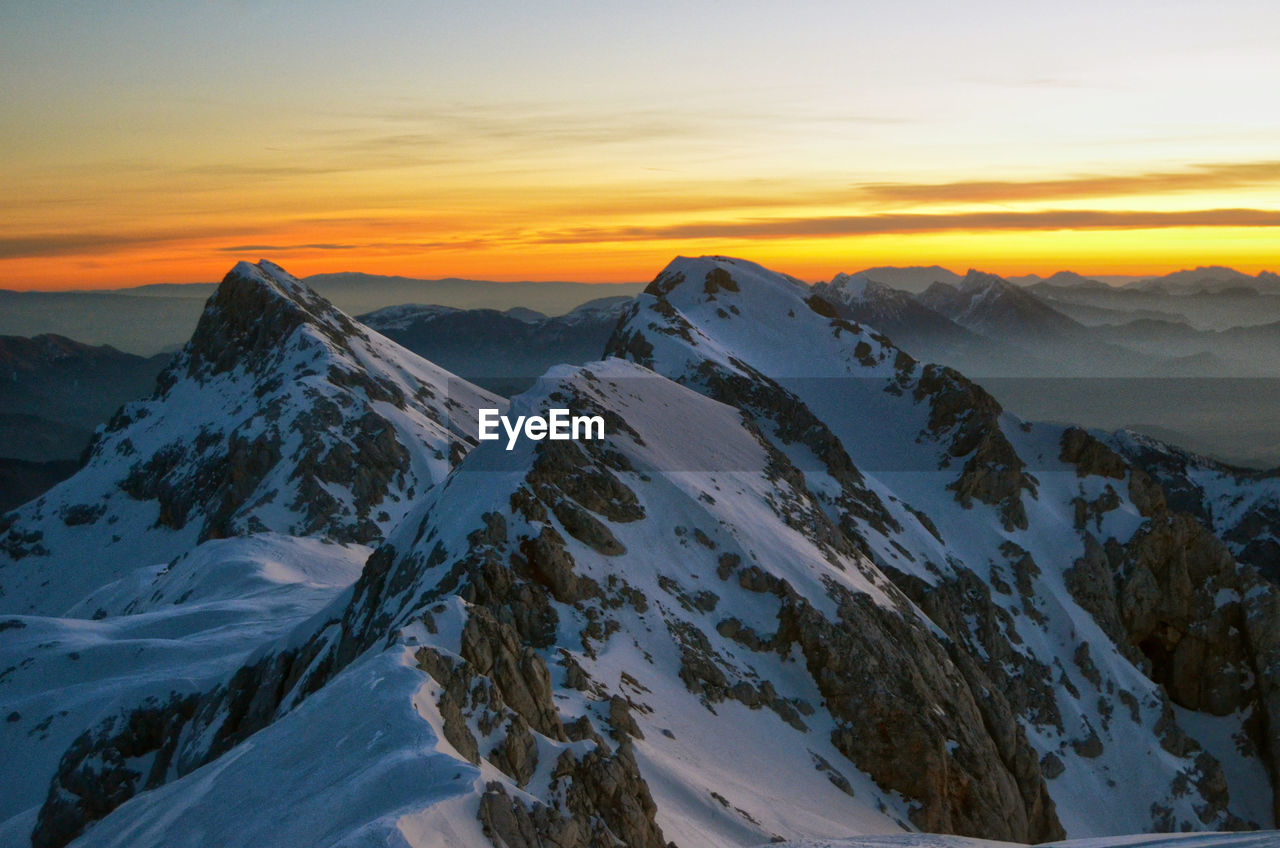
{"x":281,"y":414}
{"x":622,"y":616}
{"x":989,"y":304}
{"x":913,"y":279}
{"x":803,"y":586}
{"x":790,"y":532}
{"x":390,"y":318}
{"x":253,"y":314}
{"x":601,"y":306}
{"x":690,"y":280}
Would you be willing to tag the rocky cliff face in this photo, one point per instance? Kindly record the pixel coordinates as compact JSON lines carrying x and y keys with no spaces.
{"x":1182,"y":609}
{"x":1241,"y":506}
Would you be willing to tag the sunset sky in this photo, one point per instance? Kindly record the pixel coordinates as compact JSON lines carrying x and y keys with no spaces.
{"x":149,"y":142}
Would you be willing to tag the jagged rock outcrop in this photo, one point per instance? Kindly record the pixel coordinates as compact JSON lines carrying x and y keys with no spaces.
{"x":959,"y":753}
{"x":126,"y":757}
{"x":1241,"y":506}
{"x":607,"y":802}
{"x":993,"y":473}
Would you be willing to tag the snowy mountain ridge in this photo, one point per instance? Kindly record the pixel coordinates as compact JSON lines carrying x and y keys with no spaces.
{"x":807,"y":588}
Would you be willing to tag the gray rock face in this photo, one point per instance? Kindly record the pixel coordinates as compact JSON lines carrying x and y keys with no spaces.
{"x":1181,"y":608}
{"x":111,"y":767}
{"x":993,"y":473}
{"x":606,"y":803}
{"x":958,"y":752}
{"x":1241,"y":506}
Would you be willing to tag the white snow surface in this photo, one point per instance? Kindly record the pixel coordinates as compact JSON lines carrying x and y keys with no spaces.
{"x":345,"y":768}
{"x":175,"y":628}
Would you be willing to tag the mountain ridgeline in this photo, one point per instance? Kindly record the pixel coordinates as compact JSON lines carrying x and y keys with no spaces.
{"x":806,"y":586}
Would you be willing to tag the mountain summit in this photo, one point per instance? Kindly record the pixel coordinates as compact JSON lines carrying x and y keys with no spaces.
{"x":280,"y":414}
{"x":987,"y":304}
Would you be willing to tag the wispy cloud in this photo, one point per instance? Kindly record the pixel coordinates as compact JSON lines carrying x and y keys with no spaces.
{"x":1200,"y":177}
{"x":811,"y":227}
{"x":92,"y":243}
{"x":371,"y":246}
{"x":69,"y":244}
{"x":250,"y":248}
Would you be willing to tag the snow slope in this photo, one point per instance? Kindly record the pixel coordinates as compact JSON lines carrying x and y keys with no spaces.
{"x":180,"y":627}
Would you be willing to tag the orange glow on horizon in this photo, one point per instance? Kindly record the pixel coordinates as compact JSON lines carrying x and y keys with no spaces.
{"x":162,"y":143}
{"x":1102,"y":253}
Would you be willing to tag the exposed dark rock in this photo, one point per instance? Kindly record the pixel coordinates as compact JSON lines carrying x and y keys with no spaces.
{"x":984,"y":637}
{"x":494,"y":650}
{"x":1091,"y":456}
{"x":102,"y":770}
{"x":718,"y":279}
{"x":1177,"y":604}
{"x":606,"y":804}
{"x":869,"y":666}
{"x":967,"y":419}
{"x":1147,"y":495}
{"x":455,"y":681}
{"x":517,"y":753}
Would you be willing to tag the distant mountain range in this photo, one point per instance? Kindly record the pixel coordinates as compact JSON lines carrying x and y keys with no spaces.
{"x":501,"y":351}
{"x":912,"y":278}
{"x":54,"y":391}
{"x":1063,"y":325}
{"x":1203,"y":280}
{"x":161,"y":317}
{"x":1210,"y":280}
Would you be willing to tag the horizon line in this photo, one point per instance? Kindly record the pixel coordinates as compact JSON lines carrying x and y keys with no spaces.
{"x":1106,"y":278}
